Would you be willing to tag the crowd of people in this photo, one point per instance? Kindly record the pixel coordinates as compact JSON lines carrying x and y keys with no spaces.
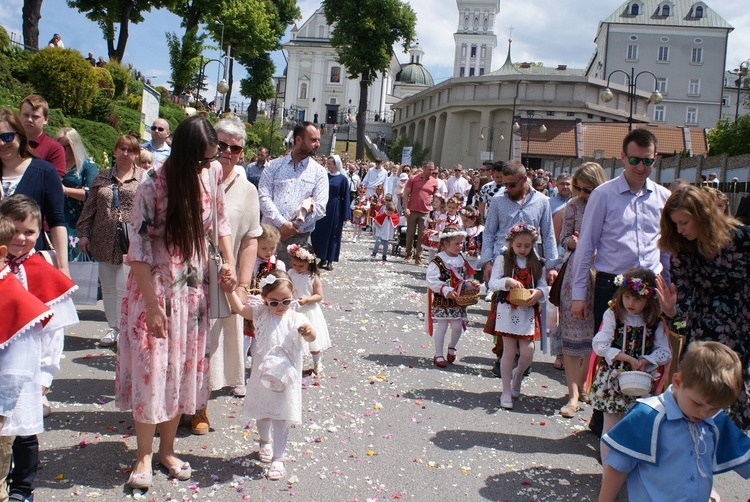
{"x":182,"y":224}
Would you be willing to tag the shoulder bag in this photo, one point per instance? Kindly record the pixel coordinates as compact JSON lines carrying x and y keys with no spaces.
{"x":218,"y":306}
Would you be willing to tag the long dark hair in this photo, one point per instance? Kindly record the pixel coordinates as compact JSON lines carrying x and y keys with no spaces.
{"x":532,"y":260}
{"x":184,"y":219}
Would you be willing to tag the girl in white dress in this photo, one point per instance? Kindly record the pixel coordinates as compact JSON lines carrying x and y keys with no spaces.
{"x":308,"y":291}
{"x":519,"y":267}
{"x":275,"y":383}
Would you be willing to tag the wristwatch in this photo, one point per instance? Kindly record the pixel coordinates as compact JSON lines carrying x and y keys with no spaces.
{"x":244,"y":286}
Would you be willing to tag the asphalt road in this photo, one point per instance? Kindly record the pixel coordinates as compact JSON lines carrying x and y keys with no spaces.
{"x":383,"y":423}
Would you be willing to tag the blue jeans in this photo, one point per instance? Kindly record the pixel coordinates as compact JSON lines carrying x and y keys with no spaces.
{"x":378,"y":242}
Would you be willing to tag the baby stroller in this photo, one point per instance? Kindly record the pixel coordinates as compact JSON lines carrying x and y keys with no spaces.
{"x":400,"y":237}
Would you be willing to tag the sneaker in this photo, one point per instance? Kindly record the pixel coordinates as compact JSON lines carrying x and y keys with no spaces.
{"x":46,"y":409}
{"x":318,"y":367}
{"x":110,"y":338}
{"x":200,"y":424}
{"x":488,"y":296}
{"x":239,"y":391}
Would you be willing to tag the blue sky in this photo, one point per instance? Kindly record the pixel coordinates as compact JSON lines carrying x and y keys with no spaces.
{"x":535,"y":22}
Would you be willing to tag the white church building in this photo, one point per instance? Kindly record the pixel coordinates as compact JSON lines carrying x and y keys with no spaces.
{"x":316,"y":87}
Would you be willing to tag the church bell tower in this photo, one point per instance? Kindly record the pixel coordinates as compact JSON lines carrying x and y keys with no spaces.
{"x":475,"y":37}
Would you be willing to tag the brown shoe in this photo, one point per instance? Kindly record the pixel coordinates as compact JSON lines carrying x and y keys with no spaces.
{"x":418,"y":262}
{"x":200,"y":423}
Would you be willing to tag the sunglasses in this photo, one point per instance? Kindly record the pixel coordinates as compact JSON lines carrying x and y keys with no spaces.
{"x":584,"y":190}
{"x":275,"y":303}
{"x":154,"y":128}
{"x":511,"y":185}
{"x":7,"y":137}
{"x":634,"y":161}
{"x":234,"y":149}
{"x":206,"y":160}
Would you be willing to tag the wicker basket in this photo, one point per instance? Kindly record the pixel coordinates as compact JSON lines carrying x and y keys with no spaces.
{"x":635,"y":383}
{"x":357,"y":213}
{"x":467,"y":295}
{"x":520,"y":296}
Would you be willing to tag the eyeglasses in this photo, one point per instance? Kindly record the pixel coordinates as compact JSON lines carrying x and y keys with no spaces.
{"x":7,"y":137}
{"x":160,"y":129}
{"x":634,"y":161}
{"x":276,"y":303}
{"x":235,"y":149}
{"x":206,"y":160}
{"x":582,"y":189}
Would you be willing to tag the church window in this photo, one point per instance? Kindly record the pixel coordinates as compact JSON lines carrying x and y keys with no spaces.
{"x":484,"y":51}
{"x":471,"y":71}
{"x":462,"y":72}
{"x":321,"y":31}
{"x":463,"y":51}
{"x":303,"y":90}
{"x":665,"y":10}
{"x":635,"y":9}
{"x":699,"y":11}
{"x":481,"y":71}
{"x":473,"y":51}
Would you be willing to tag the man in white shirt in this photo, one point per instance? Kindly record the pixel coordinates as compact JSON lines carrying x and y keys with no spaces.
{"x":457,"y":184}
{"x":287,"y":182}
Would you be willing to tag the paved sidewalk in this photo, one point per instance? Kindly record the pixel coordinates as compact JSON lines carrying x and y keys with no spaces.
{"x":383,"y":423}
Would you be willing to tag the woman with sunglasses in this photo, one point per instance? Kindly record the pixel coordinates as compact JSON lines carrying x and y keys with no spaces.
{"x":79,"y":175}
{"x":22,"y":172}
{"x":161,"y":365}
{"x":576,"y":334}
{"x":97,"y":227}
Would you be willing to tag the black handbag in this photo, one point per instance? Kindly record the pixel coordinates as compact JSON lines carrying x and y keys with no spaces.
{"x":556,"y":288}
{"x":123,"y":227}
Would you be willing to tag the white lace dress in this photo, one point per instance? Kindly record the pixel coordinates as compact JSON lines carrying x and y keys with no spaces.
{"x":271,"y":331}
{"x":303,"y":286}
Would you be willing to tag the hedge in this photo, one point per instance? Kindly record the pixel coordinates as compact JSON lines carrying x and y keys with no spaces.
{"x":64,"y":78}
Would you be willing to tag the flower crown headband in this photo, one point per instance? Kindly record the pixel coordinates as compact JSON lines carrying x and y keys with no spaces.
{"x":636,"y":285}
{"x":300,"y":253}
{"x":271,"y":279}
{"x":469,"y":214}
{"x":448,"y":235}
{"x":520,"y":228}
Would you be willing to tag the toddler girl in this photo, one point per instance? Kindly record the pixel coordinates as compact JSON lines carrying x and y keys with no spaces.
{"x":518,"y":325}
{"x":308,"y":291}
{"x":145,"y":159}
{"x":265,"y":263}
{"x":444,"y":275}
{"x":632,"y":333}
{"x":434,"y":224}
{"x":276,"y":380}
{"x":360,"y":207}
{"x":451,"y":213}
{"x":471,"y":222}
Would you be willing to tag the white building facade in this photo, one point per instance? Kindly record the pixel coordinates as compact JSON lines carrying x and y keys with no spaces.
{"x":475,"y":37}
{"x":682,"y":42}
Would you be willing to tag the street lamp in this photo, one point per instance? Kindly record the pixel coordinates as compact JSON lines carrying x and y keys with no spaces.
{"x":221,"y":88}
{"x":492,"y":134}
{"x":632,"y":80}
{"x":740,"y":72}
{"x":530,"y":115}
{"x":221,"y":48}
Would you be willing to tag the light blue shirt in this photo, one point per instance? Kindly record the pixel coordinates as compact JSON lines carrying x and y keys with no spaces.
{"x":160,"y":154}
{"x":556,"y":203}
{"x":622,"y":227}
{"x":283,"y":186}
{"x":253,"y":172}
{"x":504,"y":213}
{"x":674,"y":474}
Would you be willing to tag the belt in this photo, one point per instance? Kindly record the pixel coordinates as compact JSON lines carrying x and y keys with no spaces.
{"x":605,"y":276}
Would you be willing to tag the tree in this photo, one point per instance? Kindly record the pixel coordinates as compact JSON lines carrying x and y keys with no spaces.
{"x":184,"y":58}
{"x":258,"y":85}
{"x":730,"y":138}
{"x":418,"y":153}
{"x":364,"y":32}
{"x":107,"y":13}
{"x":31,"y":13}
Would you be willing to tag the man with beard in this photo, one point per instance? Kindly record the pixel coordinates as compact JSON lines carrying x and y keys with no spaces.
{"x":519,"y":202}
{"x":287,"y":182}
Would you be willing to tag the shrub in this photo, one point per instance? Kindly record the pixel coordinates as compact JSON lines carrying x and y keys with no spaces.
{"x":18,"y":61}
{"x":163,"y":92}
{"x":134,"y":101}
{"x":64,"y":78}
{"x":4,"y":40}
{"x":135,"y":87}
{"x":101,"y":105}
{"x":12,"y":90}
{"x":105,"y":82}
{"x":259,"y":133}
{"x":98,"y":138}
{"x":120,"y":76}
{"x":129,"y":119}
{"x":172,"y":113}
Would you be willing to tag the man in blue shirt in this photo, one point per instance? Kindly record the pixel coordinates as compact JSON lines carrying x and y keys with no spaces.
{"x":562,"y":195}
{"x":158,"y":145}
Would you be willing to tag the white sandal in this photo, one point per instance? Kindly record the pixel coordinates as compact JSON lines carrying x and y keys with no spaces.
{"x":265,"y":454}
{"x":276,"y":471}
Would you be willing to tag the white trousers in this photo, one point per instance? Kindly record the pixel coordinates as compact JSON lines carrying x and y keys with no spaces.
{"x":112,"y":279}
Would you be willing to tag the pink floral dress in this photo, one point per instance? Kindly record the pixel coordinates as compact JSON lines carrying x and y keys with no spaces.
{"x":161,"y":378}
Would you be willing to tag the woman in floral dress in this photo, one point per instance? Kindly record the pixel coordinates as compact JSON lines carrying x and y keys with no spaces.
{"x":710,"y":268}
{"x":576,"y":334}
{"x":162,"y":371}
